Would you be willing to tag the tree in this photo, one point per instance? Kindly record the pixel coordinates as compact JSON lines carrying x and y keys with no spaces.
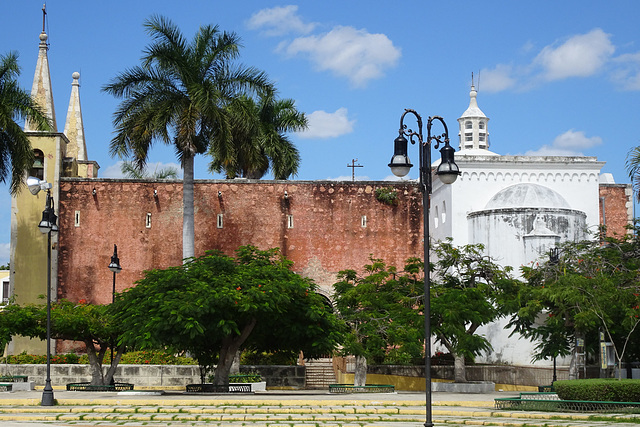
{"x":382,"y":310}
{"x":259,"y":141}
{"x":91,"y":324}
{"x":16,"y":155}
{"x":131,"y":171}
{"x":593,"y":286}
{"x":468,"y":290}
{"x":179,"y":95}
{"x":633,"y":169}
{"x":215,"y":305}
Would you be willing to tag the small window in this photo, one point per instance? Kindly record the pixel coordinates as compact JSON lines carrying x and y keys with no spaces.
{"x":219,"y":222}
{"x":481,"y":125}
{"x":468,"y":137}
{"x":444,"y":212}
{"x":468,"y":125}
{"x":37,"y":169}
{"x":481,"y":137}
{"x":147,"y":222}
{"x":435,"y":218}
{"x":76,"y":219}
{"x":363,"y":221}
{"x":289,"y":221}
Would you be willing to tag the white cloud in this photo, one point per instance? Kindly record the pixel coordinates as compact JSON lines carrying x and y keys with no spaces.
{"x":628,"y":75}
{"x":278,"y":21}
{"x":347,"y":52}
{"x":497,"y":79}
{"x":328,"y":125}
{"x":115,"y":170}
{"x":580,"y":56}
{"x":570,"y":143}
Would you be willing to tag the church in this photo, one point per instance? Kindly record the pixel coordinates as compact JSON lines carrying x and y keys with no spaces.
{"x":517,"y":206}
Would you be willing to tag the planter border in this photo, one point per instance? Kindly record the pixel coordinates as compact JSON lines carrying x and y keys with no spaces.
{"x":86,"y":386}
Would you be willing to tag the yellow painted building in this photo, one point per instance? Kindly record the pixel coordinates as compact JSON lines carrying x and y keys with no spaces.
{"x":57,"y":154}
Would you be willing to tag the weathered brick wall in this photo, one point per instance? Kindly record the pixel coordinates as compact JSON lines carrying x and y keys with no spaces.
{"x":327,"y":235}
{"x":618,"y":208}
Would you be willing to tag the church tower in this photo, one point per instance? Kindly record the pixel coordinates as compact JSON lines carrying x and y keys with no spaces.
{"x":473,"y":133}
{"x":57,"y":155}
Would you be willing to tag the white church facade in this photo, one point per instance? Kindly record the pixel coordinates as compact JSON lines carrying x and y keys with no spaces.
{"x":518,"y":207}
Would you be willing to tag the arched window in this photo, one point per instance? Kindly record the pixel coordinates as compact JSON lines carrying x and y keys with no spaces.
{"x":468,"y":125}
{"x":481,"y":125}
{"x":37,"y":169}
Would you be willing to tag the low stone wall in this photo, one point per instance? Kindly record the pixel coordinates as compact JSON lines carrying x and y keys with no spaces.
{"x":499,"y":374}
{"x":291,"y":377}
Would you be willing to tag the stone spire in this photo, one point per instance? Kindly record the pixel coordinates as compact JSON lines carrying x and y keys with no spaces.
{"x":473,"y":132}
{"x":41,"y":89}
{"x":74,"y":127}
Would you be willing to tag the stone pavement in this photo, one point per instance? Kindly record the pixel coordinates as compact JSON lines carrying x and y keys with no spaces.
{"x":279,"y":409}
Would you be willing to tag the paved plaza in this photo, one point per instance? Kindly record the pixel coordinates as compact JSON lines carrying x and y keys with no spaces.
{"x":279,"y":409}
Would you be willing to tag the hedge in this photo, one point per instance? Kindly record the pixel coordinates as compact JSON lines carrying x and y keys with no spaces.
{"x":599,"y":390}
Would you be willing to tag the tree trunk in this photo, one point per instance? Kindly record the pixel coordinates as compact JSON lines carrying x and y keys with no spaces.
{"x":360,"y":375}
{"x":188,"y":236}
{"x":235,"y":365}
{"x":95,"y":364}
{"x":230,"y":346}
{"x":459,"y":369}
{"x":108,"y":378}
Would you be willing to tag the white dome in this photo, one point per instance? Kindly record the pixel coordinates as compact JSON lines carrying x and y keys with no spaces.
{"x":527,"y":196}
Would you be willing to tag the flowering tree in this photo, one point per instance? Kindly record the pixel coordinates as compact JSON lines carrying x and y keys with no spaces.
{"x":214,"y":305}
{"x":91,"y":324}
{"x":381,"y":310}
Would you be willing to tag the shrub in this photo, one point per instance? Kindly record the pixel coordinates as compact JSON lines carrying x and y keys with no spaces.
{"x":245,"y":378}
{"x":599,"y":390}
{"x":131,"y":358}
{"x":386,"y":195}
{"x":250,"y":357}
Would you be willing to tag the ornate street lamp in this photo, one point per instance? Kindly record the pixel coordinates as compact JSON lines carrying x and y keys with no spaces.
{"x":47,"y":224}
{"x":448,"y":172}
{"x":115,"y":267}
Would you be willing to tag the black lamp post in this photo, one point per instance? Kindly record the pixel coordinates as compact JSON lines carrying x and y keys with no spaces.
{"x":47,"y":225}
{"x":448,"y":172}
{"x":114,"y":266}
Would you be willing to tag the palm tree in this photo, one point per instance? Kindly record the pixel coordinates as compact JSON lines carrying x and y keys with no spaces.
{"x":179,"y":95}
{"x":259,"y":141}
{"x":16,"y":155}
{"x":131,"y":171}
{"x":633,"y":169}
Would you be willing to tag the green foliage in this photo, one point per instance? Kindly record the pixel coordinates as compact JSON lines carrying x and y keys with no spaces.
{"x":594,"y":285}
{"x":244,"y":378}
{"x":599,"y":390}
{"x":216,"y":305}
{"x":129,"y":358}
{"x":16,"y":105}
{"x":468,"y":290}
{"x":252,"y":357}
{"x":36,"y":359}
{"x":130,"y":170}
{"x":387,"y":195}
{"x":382,"y":310}
{"x":259,"y":142}
{"x":91,"y":324}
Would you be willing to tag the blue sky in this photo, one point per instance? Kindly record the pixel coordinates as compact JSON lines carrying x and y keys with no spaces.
{"x":555,"y":77}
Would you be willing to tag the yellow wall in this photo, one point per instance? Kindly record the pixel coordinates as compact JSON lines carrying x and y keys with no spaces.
{"x":29,"y":251}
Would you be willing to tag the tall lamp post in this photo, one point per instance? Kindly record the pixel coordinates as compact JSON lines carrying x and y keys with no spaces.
{"x":47,"y":225}
{"x":447,"y":172}
{"x":115,"y":267}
